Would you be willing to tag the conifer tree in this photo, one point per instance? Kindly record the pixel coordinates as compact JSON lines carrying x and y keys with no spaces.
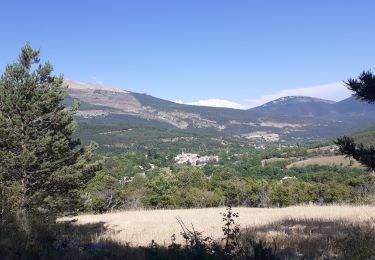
{"x":364,"y":89}
{"x":42,"y":167}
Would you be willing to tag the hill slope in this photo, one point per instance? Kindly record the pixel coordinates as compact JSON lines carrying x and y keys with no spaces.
{"x":297,"y":105}
{"x":288,"y":119}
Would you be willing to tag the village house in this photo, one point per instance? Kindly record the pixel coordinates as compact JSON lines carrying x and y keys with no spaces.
{"x":195,"y":159}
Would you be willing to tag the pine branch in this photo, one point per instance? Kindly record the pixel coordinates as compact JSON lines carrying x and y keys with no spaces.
{"x":365,"y":155}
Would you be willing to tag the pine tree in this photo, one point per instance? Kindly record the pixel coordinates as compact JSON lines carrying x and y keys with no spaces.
{"x":42,"y":167}
{"x":364,"y":89}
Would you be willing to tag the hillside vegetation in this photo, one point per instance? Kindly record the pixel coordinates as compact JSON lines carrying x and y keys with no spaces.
{"x":242,"y":176}
{"x":367,"y":136}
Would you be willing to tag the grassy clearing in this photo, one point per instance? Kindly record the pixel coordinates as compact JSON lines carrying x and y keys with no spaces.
{"x":141,"y":227}
{"x":338,"y":160}
{"x":275,"y":159}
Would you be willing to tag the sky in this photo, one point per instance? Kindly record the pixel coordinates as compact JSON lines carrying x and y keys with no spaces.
{"x":237,"y":54}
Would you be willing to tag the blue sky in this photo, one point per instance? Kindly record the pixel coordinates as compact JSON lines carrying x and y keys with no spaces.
{"x":206,"y":51}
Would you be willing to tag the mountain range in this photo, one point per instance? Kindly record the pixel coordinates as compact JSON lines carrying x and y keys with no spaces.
{"x":287,"y":119}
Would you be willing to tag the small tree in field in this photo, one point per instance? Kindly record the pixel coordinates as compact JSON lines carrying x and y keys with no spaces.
{"x":364,"y":89}
{"x":42,"y":167}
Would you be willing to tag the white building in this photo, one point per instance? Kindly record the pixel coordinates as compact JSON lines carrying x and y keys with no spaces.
{"x":195,"y":159}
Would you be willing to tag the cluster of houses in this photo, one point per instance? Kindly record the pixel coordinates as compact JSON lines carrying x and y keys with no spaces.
{"x":184,"y":158}
{"x":262,"y":136}
{"x":195,"y":159}
{"x":126,"y":179}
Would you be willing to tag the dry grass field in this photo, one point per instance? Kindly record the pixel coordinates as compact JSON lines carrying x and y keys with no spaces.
{"x":339,"y":160}
{"x":275,"y":159}
{"x":143,"y":226}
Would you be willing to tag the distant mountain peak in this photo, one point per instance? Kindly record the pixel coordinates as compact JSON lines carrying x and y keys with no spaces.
{"x":296,"y":99}
{"x":297,"y":106}
{"x":76,"y":85}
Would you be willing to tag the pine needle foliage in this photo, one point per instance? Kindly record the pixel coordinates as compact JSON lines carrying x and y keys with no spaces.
{"x":42,"y":167}
{"x":363,"y":89}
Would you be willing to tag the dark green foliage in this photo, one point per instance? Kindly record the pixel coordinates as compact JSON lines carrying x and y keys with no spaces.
{"x":364,"y":89}
{"x":237,"y":179}
{"x":42,"y":168}
{"x":131,"y":135}
{"x":160,"y":191}
{"x":365,"y":155}
{"x":102,"y":193}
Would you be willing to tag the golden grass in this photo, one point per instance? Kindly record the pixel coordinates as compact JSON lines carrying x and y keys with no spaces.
{"x":274,"y":159}
{"x":143,"y":226}
{"x":339,"y":160}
